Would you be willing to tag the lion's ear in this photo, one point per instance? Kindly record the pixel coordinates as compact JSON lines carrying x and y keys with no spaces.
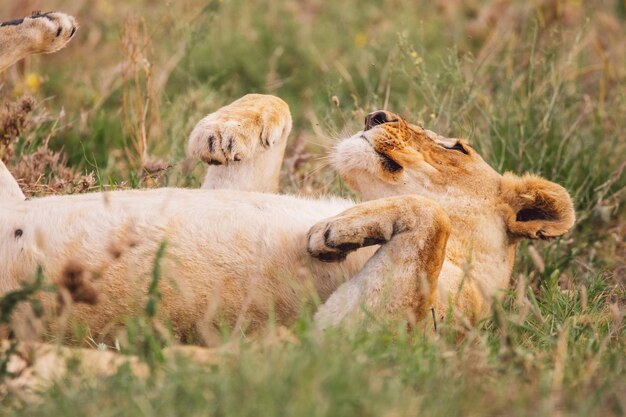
{"x":536,"y":208}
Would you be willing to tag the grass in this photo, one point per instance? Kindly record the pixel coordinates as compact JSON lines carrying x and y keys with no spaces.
{"x":536,"y":88}
{"x":548,"y":362}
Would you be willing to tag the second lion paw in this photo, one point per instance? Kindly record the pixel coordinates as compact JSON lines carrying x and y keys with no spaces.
{"x":237,"y":131}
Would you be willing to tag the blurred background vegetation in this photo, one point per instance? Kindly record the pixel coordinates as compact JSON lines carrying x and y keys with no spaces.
{"x":536,"y":85}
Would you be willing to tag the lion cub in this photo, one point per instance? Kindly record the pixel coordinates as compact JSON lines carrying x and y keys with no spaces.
{"x":438,"y":230}
{"x":448,"y":223}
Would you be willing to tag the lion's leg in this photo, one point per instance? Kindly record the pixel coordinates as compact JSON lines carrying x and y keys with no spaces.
{"x":9,"y":189}
{"x":32,"y":367}
{"x":42,"y":33}
{"x":243,"y":143}
{"x":399,"y":282}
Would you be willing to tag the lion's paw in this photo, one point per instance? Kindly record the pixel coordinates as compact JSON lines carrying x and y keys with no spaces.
{"x":218,"y":143}
{"x":237,"y":131}
{"x":333,"y":239}
{"x":50,"y":31}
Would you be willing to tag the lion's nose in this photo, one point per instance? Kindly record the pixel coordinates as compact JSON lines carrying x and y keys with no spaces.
{"x":374,"y":119}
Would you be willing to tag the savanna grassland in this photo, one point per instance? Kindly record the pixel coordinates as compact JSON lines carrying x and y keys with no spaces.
{"x":536,"y":86}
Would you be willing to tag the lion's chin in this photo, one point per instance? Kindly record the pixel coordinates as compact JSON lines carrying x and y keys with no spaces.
{"x":353,"y":154}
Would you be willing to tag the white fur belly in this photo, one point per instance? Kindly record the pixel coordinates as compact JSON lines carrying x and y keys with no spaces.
{"x":225,"y":251}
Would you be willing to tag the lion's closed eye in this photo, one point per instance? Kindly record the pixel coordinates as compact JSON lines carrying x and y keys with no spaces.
{"x":458,"y":146}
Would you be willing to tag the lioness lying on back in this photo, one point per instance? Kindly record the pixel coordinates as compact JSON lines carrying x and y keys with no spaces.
{"x":448,"y":223}
{"x":438,"y":229}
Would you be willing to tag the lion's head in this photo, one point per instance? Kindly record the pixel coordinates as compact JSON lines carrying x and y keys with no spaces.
{"x":391,"y":156}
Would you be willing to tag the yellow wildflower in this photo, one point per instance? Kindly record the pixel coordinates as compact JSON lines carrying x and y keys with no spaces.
{"x":33,"y":82}
{"x":360,"y":39}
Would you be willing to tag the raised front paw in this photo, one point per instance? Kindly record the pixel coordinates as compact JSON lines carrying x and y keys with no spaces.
{"x":333,"y":239}
{"x":50,"y":31}
{"x":237,"y":131}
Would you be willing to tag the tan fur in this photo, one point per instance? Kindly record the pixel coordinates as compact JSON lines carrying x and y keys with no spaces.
{"x":549,"y":201}
{"x":400,"y":280}
{"x":31,"y":366}
{"x":243,"y":143}
{"x":42,"y":33}
{"x":482,"y":205}
{"x":236,"y":257}
{"x":447,"y":224}
{"x":439,"y":232}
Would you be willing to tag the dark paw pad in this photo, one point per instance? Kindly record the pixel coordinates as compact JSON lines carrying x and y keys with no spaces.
{"x":330,"y":256}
